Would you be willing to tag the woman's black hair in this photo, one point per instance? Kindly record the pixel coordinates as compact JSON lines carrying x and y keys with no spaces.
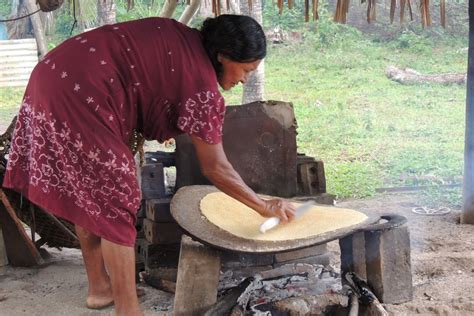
{"x":237,"y":37}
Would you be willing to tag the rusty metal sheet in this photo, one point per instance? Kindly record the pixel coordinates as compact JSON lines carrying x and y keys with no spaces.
{"x":259,"y":140}
{"x":186,"y":211}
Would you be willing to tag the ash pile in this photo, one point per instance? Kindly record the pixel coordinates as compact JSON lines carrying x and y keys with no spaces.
{"x":295,"y":289}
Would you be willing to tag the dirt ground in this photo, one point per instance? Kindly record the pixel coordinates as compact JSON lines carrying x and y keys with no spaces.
{"x":442,"y":263}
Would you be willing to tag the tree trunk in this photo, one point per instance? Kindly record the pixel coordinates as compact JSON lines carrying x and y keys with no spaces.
{"x":467,"y":216}
{"x":20,"y":28}
{"x":37,"y":28}
{"x":205,"y":10}
{"x":106,"y":12}
{"x":410,"y":76}
{"x":254,"y":88}
{"x":188,"y":13}
{"x":168,"y":8}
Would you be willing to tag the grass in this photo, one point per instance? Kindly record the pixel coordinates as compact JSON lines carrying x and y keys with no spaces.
{"x":369,"y":131}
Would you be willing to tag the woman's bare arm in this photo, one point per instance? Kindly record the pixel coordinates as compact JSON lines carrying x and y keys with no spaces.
{"x":215,"y":166}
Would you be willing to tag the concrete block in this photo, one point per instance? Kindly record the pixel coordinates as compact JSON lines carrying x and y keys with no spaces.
{"x":158,"y":210}
{"x":387,"y":255}
{"x":301,"y":253}
{"x":152,"y":181}
{"x":310,"y":176}
{"x":162,"y":233}
{"x":353,"y":254}
{"x":198,"y":277}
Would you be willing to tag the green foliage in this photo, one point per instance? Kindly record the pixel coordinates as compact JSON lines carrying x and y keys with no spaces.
{"x":369,"y":131}
{"x":289,"y":19}
{"x":5,"y":8}
{"x":10,"y":100}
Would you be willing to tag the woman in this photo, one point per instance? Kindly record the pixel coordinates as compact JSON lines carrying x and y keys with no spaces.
{"x":70,"y":154}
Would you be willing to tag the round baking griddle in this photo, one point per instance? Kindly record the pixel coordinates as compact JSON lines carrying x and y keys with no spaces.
{"x":185,"y":208}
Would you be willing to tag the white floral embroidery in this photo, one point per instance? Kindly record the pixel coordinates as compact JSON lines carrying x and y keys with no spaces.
{"x":83,"y":41}
{"x":63,"y":74}
{"x":57,"y":162}
{"x":203,"y":116}
{"x":47,"y":61}
{"x":78,"y":38}
{"x":111,"y":118}
{"x":89,"y":100}
{"x":103,"y":62}
{"x":92,"y":49}
{"x":77,"y":87}
{"x":53,"y":66}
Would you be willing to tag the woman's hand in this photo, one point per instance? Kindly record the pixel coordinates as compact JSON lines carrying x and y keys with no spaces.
{"x":282,"y":209}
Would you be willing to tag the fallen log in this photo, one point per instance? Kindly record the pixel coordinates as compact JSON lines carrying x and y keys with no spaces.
{"x":409,"y":76}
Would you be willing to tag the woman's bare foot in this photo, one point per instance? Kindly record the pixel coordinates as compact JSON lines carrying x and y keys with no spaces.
{"x":100,"y":298}
{"x":105,"y":300}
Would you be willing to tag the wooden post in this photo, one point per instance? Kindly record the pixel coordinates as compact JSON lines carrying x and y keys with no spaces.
{"x":3,"y":251}
{"x":198,"y":277}
{"x":20,"y":249}
{"x":467,"y":216}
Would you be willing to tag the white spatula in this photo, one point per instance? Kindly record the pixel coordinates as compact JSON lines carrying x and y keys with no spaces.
{"x":274,"y":221}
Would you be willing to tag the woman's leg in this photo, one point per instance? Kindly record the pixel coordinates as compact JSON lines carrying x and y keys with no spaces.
{"x":100,"y":289}
{"x":120,"y":263}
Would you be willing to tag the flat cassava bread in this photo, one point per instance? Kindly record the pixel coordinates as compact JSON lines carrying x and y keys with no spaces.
{"x":240,"y":220}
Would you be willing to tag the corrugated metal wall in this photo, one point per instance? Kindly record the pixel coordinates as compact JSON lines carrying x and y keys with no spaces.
{"x":17,"y":60}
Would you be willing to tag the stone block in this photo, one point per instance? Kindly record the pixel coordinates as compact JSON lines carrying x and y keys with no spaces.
{"x":318,"y":259}
{"x":140,"y":243}
{"x":158,"y":210}
{"x":301,"y":253}
{"x":165,"y":273}
{"x":258,"y":139}
{"x":152,"y":181}
{"x":387,"y":255}
{"x":353,"y":254}
{"x":198,"y":277}
{"x":160,"y":255}
{"x":230,"y":259}
{"x":162,"y":233}
{"x":141,"y":213}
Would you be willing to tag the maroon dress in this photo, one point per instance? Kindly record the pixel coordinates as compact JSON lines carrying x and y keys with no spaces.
{"x":70,"y":152}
